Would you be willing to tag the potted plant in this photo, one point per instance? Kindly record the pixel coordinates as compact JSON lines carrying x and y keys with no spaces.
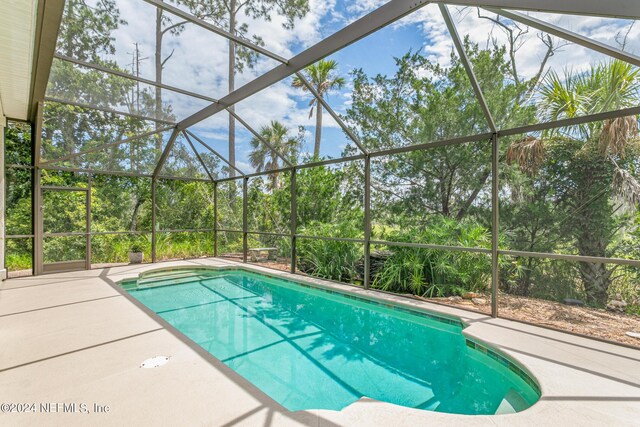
{"x":136,"y":256}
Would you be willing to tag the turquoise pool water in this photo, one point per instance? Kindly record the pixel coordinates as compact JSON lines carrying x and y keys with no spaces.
{"x":309,"y":348}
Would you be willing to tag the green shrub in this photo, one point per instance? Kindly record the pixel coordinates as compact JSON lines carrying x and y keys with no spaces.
{"x":184,"y":245}
{"x":115,"y":248}
{"x":331,"y":259}
{"x":436,"y":272}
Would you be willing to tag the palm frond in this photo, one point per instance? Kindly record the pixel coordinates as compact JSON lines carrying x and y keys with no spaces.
{"x":626,"y":187}
{"x":528,"y":154}
{"x":616,"y":134}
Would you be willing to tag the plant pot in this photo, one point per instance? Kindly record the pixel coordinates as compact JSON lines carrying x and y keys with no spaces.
{"x":136,"y":257}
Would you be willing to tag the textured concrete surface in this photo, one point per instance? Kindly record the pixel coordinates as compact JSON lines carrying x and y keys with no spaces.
{"x":75,"y":338}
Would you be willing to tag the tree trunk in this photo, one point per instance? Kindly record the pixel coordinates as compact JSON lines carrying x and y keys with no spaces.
{"x":232,"y":84}
{"x":474,"y":195}
{"x":136,"y":208}
{"x":316,"y":147}
{"x":69,"y":50}
{"x":596,"y":278}
{"x":132,"y":156}
{"x":158,"y":64}
{"x":591,"y":223}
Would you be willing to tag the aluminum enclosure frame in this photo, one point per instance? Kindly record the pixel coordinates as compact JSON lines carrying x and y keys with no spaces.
{"x":381,"y":17}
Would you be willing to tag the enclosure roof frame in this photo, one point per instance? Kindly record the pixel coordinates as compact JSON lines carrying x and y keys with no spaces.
{"x":378,"y":18}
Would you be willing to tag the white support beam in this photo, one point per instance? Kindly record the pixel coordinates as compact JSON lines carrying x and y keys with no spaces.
{"x":386,"y":14}
{"x":165,"y":153}
{"x":626,"y":9}
{"x":259,"y":137}
{"x":333,"y":114}
{"x":47,"y":26}
{"x":132,"y":77}
{"x":193,"y":148}
{"x":462,"y":53}
{"x":107,"y":145}
{"x":214,"y":152}
{"x":107,"y":110}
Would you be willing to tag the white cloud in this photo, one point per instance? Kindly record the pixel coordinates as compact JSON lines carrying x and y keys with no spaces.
{"x":361,"y":7}
{"x":244,"y":167}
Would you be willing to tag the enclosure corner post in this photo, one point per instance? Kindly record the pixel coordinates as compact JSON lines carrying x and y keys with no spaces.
{"x":367,"y":222}
{"x":495,"y":224}
{"x":88,"y":224}
{"x":153,"y":220}
{"x":3,"y":194}
{"x":245,"y":185}
{"x":215,"y":219}
{"x":294,"y":219}
{"x":37,"y":260}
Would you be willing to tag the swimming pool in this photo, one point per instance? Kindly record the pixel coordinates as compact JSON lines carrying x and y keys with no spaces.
{"x":310,"y":348}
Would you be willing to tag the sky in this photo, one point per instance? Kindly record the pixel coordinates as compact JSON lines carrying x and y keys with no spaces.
{"x":198,"y":60}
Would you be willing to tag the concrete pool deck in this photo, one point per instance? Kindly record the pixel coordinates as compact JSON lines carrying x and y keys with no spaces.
{"x":75,"y":338}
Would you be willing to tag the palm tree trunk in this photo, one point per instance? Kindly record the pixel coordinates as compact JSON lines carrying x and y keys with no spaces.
{"x":316,"y":148}
{"x":158,"y":64}
{"x":232,"y":84}
{"x":592,"y":225}
{"x":597,"y":279}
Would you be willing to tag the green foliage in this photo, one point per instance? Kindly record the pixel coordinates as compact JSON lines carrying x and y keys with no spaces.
{"x":18,"y":209}
{"x":18,"y":202}
{"x":115,"y":248}
{"x":435,"y":272}
{"x":574,"y":199}
{"x":330,"y":259}
{"x":17,"y":143}
{"x":65,"y":248}
{"x":184,"y":205}
{"x":324,"y":197}
{"x":184,"y":245}
{"x":230,"y":205}
{"x":18,"y":254}
{"x":269,"y":206}
{"x":85,"y":32}
{"x":120,"y":203}
{"x":424,"y":102}
{"x":229,"y":243}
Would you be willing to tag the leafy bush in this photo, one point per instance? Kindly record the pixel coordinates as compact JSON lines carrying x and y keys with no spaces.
{"x":435,"y":272}
{"x":184,"y":245}
{"x":18,"y":255}
{"x":330,"y":259}
{"x":115,"y":248}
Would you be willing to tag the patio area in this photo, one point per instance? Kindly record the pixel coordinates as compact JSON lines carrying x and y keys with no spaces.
{"x":77,"y":338}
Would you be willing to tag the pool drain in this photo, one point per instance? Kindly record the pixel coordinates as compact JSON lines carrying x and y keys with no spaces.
{"x":155,"y":362}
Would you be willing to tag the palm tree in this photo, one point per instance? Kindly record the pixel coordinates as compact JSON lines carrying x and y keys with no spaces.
{"x":589,"y":158}
{"x":321,"y":75}
{"x":264,"y":158}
